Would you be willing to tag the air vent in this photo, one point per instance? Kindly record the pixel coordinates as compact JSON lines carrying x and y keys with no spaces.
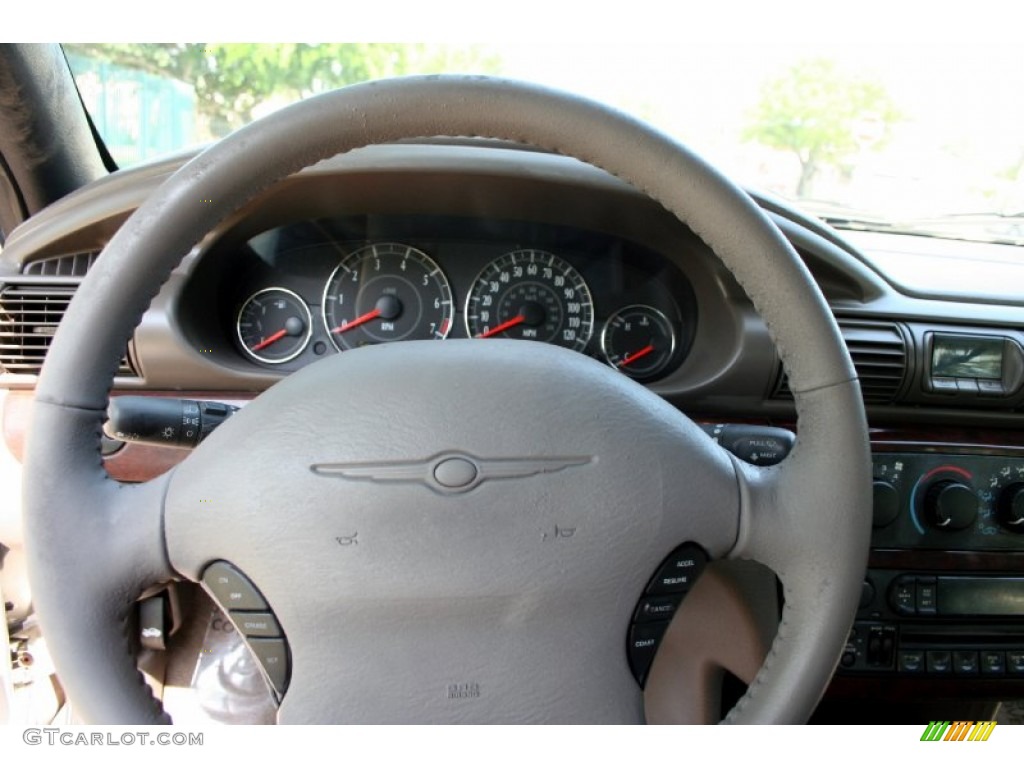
{"x":879,"y":353}
{"x":68,"y":265}
{"x":29,"y":316}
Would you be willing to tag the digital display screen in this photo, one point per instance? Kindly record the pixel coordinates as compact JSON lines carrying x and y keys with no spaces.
{"x":970,"y":596}
{"x":967,"y":357}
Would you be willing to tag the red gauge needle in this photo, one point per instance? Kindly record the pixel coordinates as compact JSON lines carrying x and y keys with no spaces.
{"x":270,"y":340}
{"x":636,"y":355}
{"x":371,"y":315}
{"x":503,"y":327}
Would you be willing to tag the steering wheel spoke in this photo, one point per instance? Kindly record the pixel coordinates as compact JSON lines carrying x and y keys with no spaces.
{"x":724,"y":626}
{"x":111,"y":547}
{"x":788,"y":524}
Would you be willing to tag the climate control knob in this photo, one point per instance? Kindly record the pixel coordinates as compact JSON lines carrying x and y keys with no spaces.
{"x":1010,"y":508}
{"x":950,"y":506}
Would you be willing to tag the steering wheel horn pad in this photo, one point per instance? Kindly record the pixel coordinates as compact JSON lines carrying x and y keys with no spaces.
{"x":459,"y":588}
{"x":444,"y":591}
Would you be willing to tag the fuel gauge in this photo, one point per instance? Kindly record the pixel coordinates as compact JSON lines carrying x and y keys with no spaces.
{"x":274,"y":325}
{"x":639,"y":341}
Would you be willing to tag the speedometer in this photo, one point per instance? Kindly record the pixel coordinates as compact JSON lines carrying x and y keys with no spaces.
{"x":386,"y":292}
{"x":534,"y":295}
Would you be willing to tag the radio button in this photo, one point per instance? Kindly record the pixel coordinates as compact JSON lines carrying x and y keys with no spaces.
{"x":944,"y":386}
{"x":967,"y":386}
{"x":965,"y":662}
{"x":993,"y":663}
{"x":991,"y":388}
{"x":911,"y":661}
{"x":940,"y":662}
{"x":926,"y":596}
{"x":1015,"y":662}
{"x":903,"y":596}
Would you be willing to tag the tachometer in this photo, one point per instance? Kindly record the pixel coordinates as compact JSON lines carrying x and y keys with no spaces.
{"x":531,"y":294}
{"x":386,"y":292}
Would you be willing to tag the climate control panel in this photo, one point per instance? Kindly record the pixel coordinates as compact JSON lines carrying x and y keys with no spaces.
{"x":941,"y":501}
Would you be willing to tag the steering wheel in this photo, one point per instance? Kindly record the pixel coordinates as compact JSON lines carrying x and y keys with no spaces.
{"x":453,"y":586}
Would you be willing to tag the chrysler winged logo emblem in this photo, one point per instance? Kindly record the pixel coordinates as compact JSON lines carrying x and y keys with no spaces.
{"x":450,"y":472}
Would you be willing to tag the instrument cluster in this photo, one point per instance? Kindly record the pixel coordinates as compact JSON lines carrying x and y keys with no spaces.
{"x":297,"y":292}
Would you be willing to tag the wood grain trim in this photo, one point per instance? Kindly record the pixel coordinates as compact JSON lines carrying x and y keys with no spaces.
{"x":134,"y":462}
{"x":137,"y":463}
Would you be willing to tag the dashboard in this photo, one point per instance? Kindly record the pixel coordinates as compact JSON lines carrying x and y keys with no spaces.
{"x":443,"y":240}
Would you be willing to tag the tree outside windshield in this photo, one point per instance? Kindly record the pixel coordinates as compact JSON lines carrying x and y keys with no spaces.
{"x":872,"y":133}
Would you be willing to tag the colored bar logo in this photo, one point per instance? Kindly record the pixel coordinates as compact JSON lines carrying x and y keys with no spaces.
{"x":959,"y":730}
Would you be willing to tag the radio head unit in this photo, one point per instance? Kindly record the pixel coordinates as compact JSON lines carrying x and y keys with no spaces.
{"x":987,"y":366}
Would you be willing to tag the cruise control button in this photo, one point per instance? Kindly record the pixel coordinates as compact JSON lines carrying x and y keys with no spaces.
{"x":643,"y":644}
{"x":657,"y":608}
{"x":272,"y":654}
{"x":965,"y":662}
{"x":256,"y":624}
{"x":232,"y":589}
{"x":679,"y":571}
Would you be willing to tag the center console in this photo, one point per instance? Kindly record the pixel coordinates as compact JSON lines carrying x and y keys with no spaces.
{"x":943,"y":597}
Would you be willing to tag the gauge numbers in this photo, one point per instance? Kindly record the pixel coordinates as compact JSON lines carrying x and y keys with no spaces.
{"x":386,"y":292}
{"x":532,"y":295}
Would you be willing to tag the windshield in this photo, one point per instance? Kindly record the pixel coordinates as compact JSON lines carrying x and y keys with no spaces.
{"x":925,"y":139}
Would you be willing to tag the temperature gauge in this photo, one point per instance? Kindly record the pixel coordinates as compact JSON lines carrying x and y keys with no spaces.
{"x":639,"y":341}
{"x":274,"y":325}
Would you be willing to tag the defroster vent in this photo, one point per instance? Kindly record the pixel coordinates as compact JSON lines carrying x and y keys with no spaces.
{"x":66,"y":265}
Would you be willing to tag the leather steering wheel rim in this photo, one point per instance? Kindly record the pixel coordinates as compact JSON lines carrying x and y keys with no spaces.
{"x":94,"y":544}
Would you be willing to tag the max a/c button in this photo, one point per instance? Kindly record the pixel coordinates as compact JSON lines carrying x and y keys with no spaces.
{"x":256,"y":624}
